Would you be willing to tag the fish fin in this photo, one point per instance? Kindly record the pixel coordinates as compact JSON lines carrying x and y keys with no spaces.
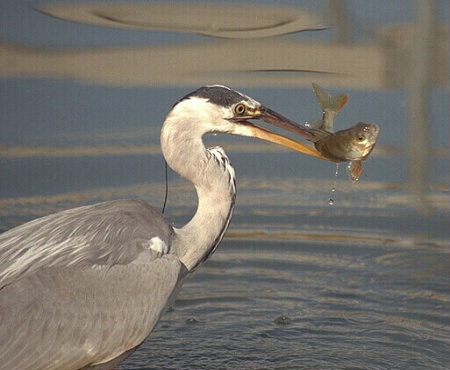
{"x":354,"y":170}
{"x":314,"y":124}
{"x":326,"y":101}
{"x":318,"y":134}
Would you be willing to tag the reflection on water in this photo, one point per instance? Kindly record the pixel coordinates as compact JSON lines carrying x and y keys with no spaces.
{"x":228,"y":21}
{"x":250,"y":55}
{"x":297,"y":283}
{"x":393,"y":59}
{"x":360,"y":285}
{"x":359,"y":306}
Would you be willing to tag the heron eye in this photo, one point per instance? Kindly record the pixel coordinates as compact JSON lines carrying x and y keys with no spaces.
{"x":240,"y":109}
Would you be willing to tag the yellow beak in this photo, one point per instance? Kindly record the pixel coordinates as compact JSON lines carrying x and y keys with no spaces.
{"x":272,"y":117}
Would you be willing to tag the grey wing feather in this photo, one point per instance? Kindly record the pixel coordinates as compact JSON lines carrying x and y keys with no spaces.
{"x":103,"y":234}
{"x":71,"y":318}
{"x":83,"y":286}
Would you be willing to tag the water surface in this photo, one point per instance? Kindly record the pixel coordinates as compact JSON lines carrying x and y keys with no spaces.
{"x":296,"y":283}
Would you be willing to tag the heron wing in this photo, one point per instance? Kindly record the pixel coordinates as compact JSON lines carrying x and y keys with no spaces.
{"x":105,"y":234}
{"x":71,"y":318}
{"x":84,"y":286}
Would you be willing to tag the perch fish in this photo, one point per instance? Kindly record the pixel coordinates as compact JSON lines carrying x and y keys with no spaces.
{"x":350,"y":145}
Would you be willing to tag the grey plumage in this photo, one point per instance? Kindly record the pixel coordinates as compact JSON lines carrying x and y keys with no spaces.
{"x":75,"y":290}
{"x":82,"y":237}
{"x":83,"y":288}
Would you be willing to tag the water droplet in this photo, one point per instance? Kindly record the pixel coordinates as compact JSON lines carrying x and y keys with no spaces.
{"x":333,"y":189}
{"x":337,"y":170}
{"x":330,"y":201}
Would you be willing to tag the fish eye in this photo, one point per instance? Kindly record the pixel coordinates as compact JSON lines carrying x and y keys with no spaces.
{"x":361,"y":138}
{"x":240,"y":109}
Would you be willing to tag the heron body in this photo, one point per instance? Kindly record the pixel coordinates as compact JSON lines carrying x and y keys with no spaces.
{"x":83,"y":288}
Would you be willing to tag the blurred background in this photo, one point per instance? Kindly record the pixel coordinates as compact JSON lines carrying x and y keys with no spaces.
{"x":86,"y":85}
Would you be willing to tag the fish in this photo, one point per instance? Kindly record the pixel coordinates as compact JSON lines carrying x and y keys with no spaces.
{"x":331,"y":106}
{"x":350,"y":145}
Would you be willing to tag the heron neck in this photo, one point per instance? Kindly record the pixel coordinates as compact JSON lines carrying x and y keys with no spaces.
{"x":211,"y":173}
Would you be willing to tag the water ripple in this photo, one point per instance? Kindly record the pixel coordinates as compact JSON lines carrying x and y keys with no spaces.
{"x":281,"y":305}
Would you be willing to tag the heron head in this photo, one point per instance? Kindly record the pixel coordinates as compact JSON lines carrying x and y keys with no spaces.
{"x":218,"y":108}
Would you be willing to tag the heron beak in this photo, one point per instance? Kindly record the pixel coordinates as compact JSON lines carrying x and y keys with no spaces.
{"x":269,"y":116}
{"x":274,"y":118}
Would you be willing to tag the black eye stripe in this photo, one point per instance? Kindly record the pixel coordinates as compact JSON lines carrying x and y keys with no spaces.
{"x":217,"y":94}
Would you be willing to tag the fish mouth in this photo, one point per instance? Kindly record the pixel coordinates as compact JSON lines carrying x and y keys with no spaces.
{"x":370,"y":132}
{"x":370,"y":129}
{"x":375,"y":130}
{"x":246,"y":128}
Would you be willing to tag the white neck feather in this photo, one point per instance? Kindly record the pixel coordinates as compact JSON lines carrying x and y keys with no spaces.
{"x":213,"y":177}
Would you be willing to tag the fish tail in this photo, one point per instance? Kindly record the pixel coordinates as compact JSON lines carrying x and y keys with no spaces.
{"x":326,"y":101}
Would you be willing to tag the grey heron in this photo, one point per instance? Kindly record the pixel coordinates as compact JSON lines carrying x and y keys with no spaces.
{"x":83,"y":288}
